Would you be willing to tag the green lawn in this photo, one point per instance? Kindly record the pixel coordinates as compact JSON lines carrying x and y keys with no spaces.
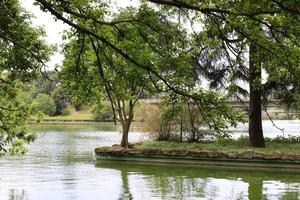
{"x":226,"y":146}
{"x":84,"y":114}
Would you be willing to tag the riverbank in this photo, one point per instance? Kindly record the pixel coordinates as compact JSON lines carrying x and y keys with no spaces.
{"x":275,"y":155}
{"x":85,"y":115}
{"x":278,"y":145}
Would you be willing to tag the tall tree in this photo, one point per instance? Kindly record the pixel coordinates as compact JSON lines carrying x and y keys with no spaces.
{"x":241,"y":39}
{"x":255,"y":104}
{"x":103,"y":71}
{"x":237,"y":24}
{"x":22,"y":52}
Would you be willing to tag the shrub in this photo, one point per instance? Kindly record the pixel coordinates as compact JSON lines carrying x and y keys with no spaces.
{"x":157,"y":123}
{"x":140,"y":111}
{"x":227,"y":141}
{"x":102,"y":112}
{"x":45,"y":104}
{"x":65,"y":111}
{"x":59,"y":98}
{"x":286,"y":140}
{"x":24,"y":98}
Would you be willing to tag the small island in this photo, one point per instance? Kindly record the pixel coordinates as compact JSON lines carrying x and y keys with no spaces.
{"x":276,"y":155}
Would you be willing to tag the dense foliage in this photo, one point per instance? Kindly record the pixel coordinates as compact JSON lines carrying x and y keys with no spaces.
{"x":45,"y":104}
{"x":93,"y":68}
{"x":22,"y":53}
{"x":265,"y":30}
{"x":118,"y":57}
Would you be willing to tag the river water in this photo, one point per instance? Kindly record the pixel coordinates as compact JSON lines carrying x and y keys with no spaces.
{"x":60,"y":166}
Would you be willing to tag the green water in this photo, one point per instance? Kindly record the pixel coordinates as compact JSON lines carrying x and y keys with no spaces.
{"x":60,"y":165}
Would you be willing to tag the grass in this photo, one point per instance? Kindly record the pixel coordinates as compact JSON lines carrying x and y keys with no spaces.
{"x":84,"y":114}
{"x":228,"y":145}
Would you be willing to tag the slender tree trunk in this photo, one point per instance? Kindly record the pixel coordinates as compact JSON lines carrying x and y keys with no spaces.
{"x":126,"y":122}
{"x":181,"y":127}
{"x":255,"y":122}
{"x":192,"y":124}
{"x":288,"y":114}
{"x":125,"y":131}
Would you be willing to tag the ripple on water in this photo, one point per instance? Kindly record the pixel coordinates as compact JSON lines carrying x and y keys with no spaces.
{"x":59,"y":166}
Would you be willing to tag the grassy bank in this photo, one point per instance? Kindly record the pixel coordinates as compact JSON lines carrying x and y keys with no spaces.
{"x":84,"y":114}
{"x":282,"y":150}
{"x":272,"y":146}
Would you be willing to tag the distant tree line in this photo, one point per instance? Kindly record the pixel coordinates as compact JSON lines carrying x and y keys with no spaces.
{"x":119,"y":56}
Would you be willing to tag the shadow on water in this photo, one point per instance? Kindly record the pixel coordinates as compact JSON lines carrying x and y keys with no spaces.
{"x":86,"y":127}
{"x":59,"y":165}
{"x":16,"y":195}
{"x":178,"y":182}
{"x":73,"y":127}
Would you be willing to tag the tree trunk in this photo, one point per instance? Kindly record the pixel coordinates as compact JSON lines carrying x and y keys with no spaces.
{"x":181,"y":127}
{"x":255,"y":122}
{"x":192,"y":124}
{"x":288,"y":114}
{"x":126,"y":122}
{"x":125,"y":131}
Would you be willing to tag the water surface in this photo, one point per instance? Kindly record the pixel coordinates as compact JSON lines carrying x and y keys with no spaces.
{"x":60,"y":166}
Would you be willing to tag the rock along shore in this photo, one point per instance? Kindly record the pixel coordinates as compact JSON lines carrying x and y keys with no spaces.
{"x":248,"y":159}
{"x":117,"y":150}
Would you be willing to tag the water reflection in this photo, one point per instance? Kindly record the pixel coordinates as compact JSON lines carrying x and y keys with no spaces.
{"x":175,"y":182}
{"x":59,"y":166}
{"x":126,"y":194}
{"x":77,"y":127}
{"x":16,"y":195}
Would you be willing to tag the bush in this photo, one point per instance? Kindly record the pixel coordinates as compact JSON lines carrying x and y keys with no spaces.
{"x":24,"y":98}
{"x":158,"y":124}
{"x":285,"y":140}
{"x":65,"y":111}
{"x":227,"y":141}
{"x":59,"y":98}
{"x":140,"y":111}
{"x":45,"y":104}
{"x":102,"y":112}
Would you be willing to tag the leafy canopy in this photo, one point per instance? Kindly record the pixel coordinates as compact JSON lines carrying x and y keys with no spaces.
{"x":22,"y":52}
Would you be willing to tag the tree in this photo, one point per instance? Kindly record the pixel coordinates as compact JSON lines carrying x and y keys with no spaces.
{"x":269,"y":25}
{"x":46,"y":83}
{"x":49,"y":84}
{"x":22,"y":52}
{"x":45,"y":104}
{"x":235,"y":33}
{"x":60,"y":99}
{"x":103,"y":71}
{"x":259,"y":41}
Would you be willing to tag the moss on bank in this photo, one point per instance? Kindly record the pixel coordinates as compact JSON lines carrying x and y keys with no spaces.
{"x":225,"y":146}
{"x":276,"y":149}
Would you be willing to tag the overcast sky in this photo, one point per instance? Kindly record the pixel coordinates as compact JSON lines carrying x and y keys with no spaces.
{"x":54,"y":29}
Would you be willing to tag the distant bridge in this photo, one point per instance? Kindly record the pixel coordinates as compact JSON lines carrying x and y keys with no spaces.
{"x":235,"y":104}
{"x":273,"y":108}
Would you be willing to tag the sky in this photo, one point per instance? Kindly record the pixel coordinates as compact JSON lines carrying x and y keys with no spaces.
{"x":54,"y":29}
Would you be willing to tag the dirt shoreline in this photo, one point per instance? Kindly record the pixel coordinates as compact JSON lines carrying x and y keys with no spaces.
{"x":198,"y":154}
